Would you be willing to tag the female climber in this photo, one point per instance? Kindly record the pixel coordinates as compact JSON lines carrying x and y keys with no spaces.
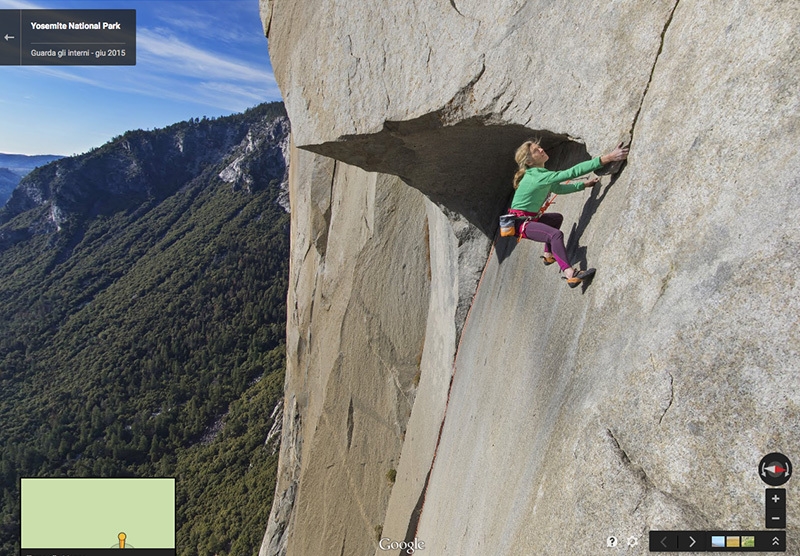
{"x":534,"y":183}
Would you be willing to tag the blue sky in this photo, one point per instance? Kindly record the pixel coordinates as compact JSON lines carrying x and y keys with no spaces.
{"x":194,"y":58}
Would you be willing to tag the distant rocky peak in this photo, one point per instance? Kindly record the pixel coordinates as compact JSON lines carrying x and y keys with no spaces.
{"x":142,"y":166}
{"x":262,"y":152}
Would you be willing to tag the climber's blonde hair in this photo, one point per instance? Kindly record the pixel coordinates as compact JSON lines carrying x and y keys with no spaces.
{"x":523,"y":159}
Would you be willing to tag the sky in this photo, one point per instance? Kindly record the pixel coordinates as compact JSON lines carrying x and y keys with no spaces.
{"x":194,"y":58}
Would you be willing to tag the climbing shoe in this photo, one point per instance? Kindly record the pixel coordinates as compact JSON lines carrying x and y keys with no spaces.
{"x":579,"y":277}
{"x":547,"y":259}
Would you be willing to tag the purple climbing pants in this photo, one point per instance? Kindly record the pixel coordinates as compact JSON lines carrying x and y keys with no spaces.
{"x":546,"y":230}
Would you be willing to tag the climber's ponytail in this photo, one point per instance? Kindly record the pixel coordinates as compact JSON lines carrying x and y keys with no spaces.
{"x":523,"y":159}
{"x":518,"y":177}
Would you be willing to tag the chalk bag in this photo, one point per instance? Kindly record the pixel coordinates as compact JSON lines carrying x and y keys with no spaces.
{"x":508,"y":225}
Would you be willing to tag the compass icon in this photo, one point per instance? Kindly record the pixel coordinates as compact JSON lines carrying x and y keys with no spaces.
{"x":775,"y":469}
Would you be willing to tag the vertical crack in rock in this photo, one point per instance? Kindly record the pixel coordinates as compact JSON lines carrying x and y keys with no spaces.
{"x":653,"y":68}
{"x":623,"y":455}
{"x":350,"y":49}
{"x":350,"y":424}
{"x":322,"y":241}
{"x":636,"y":469}
{"x":413,"y":522}
{"x":671,"y":397}
{"x":344,"y":539}
{"x":352,"y":72}
{"x":671,"y":389}
{"x":266,"y":7}
{"x":427,"y":235}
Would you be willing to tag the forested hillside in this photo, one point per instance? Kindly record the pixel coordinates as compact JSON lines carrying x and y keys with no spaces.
{"x":142,"y":311}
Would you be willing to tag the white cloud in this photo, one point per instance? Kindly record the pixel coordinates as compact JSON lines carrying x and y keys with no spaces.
{"x":233,"y":97}
{"x":68,"y":74}
{"x":168,"y":54}
{"x":208,"y":24}
{"x":220,"y":92}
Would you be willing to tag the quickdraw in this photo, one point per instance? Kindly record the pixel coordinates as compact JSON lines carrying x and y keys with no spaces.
{"x":549,"y":201}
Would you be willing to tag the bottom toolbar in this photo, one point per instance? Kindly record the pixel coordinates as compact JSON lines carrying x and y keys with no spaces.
{"x":717,"y":541}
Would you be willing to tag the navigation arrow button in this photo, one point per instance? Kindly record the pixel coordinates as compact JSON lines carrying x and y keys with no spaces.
{"x":691,"y":540}
{"x":660,"y":541}
{"x":9,"y":37}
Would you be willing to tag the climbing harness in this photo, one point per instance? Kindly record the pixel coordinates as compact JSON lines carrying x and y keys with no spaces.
{"x":508,"y":221}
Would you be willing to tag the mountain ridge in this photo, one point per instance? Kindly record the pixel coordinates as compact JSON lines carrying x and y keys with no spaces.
{"x":120,"y":171}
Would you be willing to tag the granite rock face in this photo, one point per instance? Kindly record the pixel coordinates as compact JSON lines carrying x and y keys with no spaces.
{"x":358,"y":348}
{"x":548,"y":417}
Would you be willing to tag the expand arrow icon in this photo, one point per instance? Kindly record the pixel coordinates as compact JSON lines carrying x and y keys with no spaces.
{"x":8,"y":37}
{"x":694,"y":542}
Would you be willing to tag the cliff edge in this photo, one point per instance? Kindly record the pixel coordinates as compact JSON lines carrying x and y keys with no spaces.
{"x":548,"y":417}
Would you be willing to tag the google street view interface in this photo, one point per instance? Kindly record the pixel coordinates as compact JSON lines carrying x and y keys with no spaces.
{"x":82,"y":72}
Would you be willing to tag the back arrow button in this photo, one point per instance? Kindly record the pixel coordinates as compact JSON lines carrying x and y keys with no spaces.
{"x":662,"y":541}
{"x":8,"y":37}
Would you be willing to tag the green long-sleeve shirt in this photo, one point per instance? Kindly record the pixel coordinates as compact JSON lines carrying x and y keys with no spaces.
{"x":537,"y":183}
